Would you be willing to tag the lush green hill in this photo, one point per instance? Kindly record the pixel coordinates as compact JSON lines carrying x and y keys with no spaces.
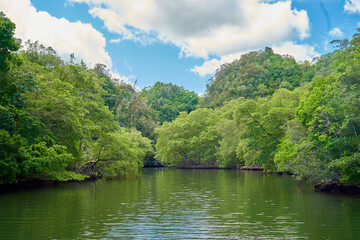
{"x":256,"y":74}
{"x":168,"y":100}
{"x":270,"y":111}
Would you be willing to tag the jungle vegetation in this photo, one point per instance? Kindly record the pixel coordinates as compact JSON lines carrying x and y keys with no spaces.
{"x":271,"y":111}
{"x":62,"y":120}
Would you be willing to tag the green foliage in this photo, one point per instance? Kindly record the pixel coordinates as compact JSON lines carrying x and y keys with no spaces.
{"x":109,"y":85}
{"x":145,"y":144}
{"x":323,"y":142}
{"x":54,"y":116}
{"x":12,"y":153}
{"x":7,"y":121}
{"x":63,"y":121}
{"x":190,"y":140}
{"x":131,"y":111}
{"x":349,"y":166}
{"x":262,"y":125}
{"x":49,"y":163}
{"x":169,"y":100}
{"x":41,"y":55}
{"x":36,"y":161}
{"x":311,"y":131}
{"x":230,"y":133}
{"x":8,"y":43}
{"x":242,"y":132}
{"x":298,"y":155}
{"x":256,"y":74}
{"x":120,"y":153}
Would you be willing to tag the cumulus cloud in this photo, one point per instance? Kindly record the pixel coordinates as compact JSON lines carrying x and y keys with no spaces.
{"x":336,"y":32}
{"x":210,"y":66}
{"x":62,"y":35}
{"x":202,"y":28}
{"x":352,"y":6}
{"x":300,"y":52}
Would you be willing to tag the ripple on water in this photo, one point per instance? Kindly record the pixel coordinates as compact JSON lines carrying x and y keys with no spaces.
{"x":182,"y":205}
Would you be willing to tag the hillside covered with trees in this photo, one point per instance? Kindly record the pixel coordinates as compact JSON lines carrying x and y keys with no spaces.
{"x":256,"y":74}
{"x":268,"y":110}
{"x":64,"y":120}
{"x":168,"y":100}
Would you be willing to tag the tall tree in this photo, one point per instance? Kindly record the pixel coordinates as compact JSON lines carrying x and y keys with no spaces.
{"x":8,"y":43}
{"x":169,"y":100}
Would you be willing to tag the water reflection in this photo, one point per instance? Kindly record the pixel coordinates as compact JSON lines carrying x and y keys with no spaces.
{"x":181,"y":204}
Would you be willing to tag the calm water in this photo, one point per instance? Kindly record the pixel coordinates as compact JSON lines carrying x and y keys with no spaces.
{"x":181,"y":204}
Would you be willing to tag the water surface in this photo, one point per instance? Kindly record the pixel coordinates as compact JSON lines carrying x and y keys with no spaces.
{"x":181,"y":204}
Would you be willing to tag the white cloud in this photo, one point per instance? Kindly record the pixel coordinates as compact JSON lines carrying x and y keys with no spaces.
{"x":336,"y":32}
{"x":210,"y":66}
{"x":63,"y":36}
{"x":202,"y":28}
{"x":352,"y":6}
{"x":300,"y":52}
{"x":115,"y":40}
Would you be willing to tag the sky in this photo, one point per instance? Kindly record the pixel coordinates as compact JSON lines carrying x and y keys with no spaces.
{"x":181,"y":41}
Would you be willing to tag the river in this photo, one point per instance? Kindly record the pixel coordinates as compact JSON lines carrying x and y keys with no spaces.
{"x":181,"y":204}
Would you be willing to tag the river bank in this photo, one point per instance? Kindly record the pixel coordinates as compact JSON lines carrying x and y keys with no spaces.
{"x":40,"y":183}
{"x":37,"y":183}
{"x":337,"y":188}
{"x":216,"y":166}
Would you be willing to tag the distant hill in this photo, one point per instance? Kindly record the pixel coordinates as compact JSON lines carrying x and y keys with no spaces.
{"x":168,"y":100}
{"x":256,"y":74}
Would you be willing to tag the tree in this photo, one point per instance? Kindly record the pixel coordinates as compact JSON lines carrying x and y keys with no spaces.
{"x":12,"y":153}
{"x":190,"y":140}
{"x":323,"y":142}
{"x":54,"y":118}
{"x":8,"y":43}
{"x":118,"y":153}
{"x":254,"y":75}
{"x":169,"y":100}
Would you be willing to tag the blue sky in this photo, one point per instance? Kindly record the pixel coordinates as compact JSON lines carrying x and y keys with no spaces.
{"x":182,"y":41}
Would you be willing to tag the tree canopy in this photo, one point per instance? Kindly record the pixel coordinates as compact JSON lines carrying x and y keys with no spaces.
{"x":270,"y":111}
{"x":55,"y":121}
{"x":168,"y":100}
{"x":66,"y":121}
{"x":256,"y":74}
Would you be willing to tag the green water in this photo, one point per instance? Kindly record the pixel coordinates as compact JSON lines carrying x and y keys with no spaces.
{"x":181,"y":204}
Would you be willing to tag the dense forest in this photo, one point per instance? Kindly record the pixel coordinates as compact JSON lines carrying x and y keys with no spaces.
{"x":65,"y":121}
{"x":270,"y":111}
{"x":62,"y":120}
